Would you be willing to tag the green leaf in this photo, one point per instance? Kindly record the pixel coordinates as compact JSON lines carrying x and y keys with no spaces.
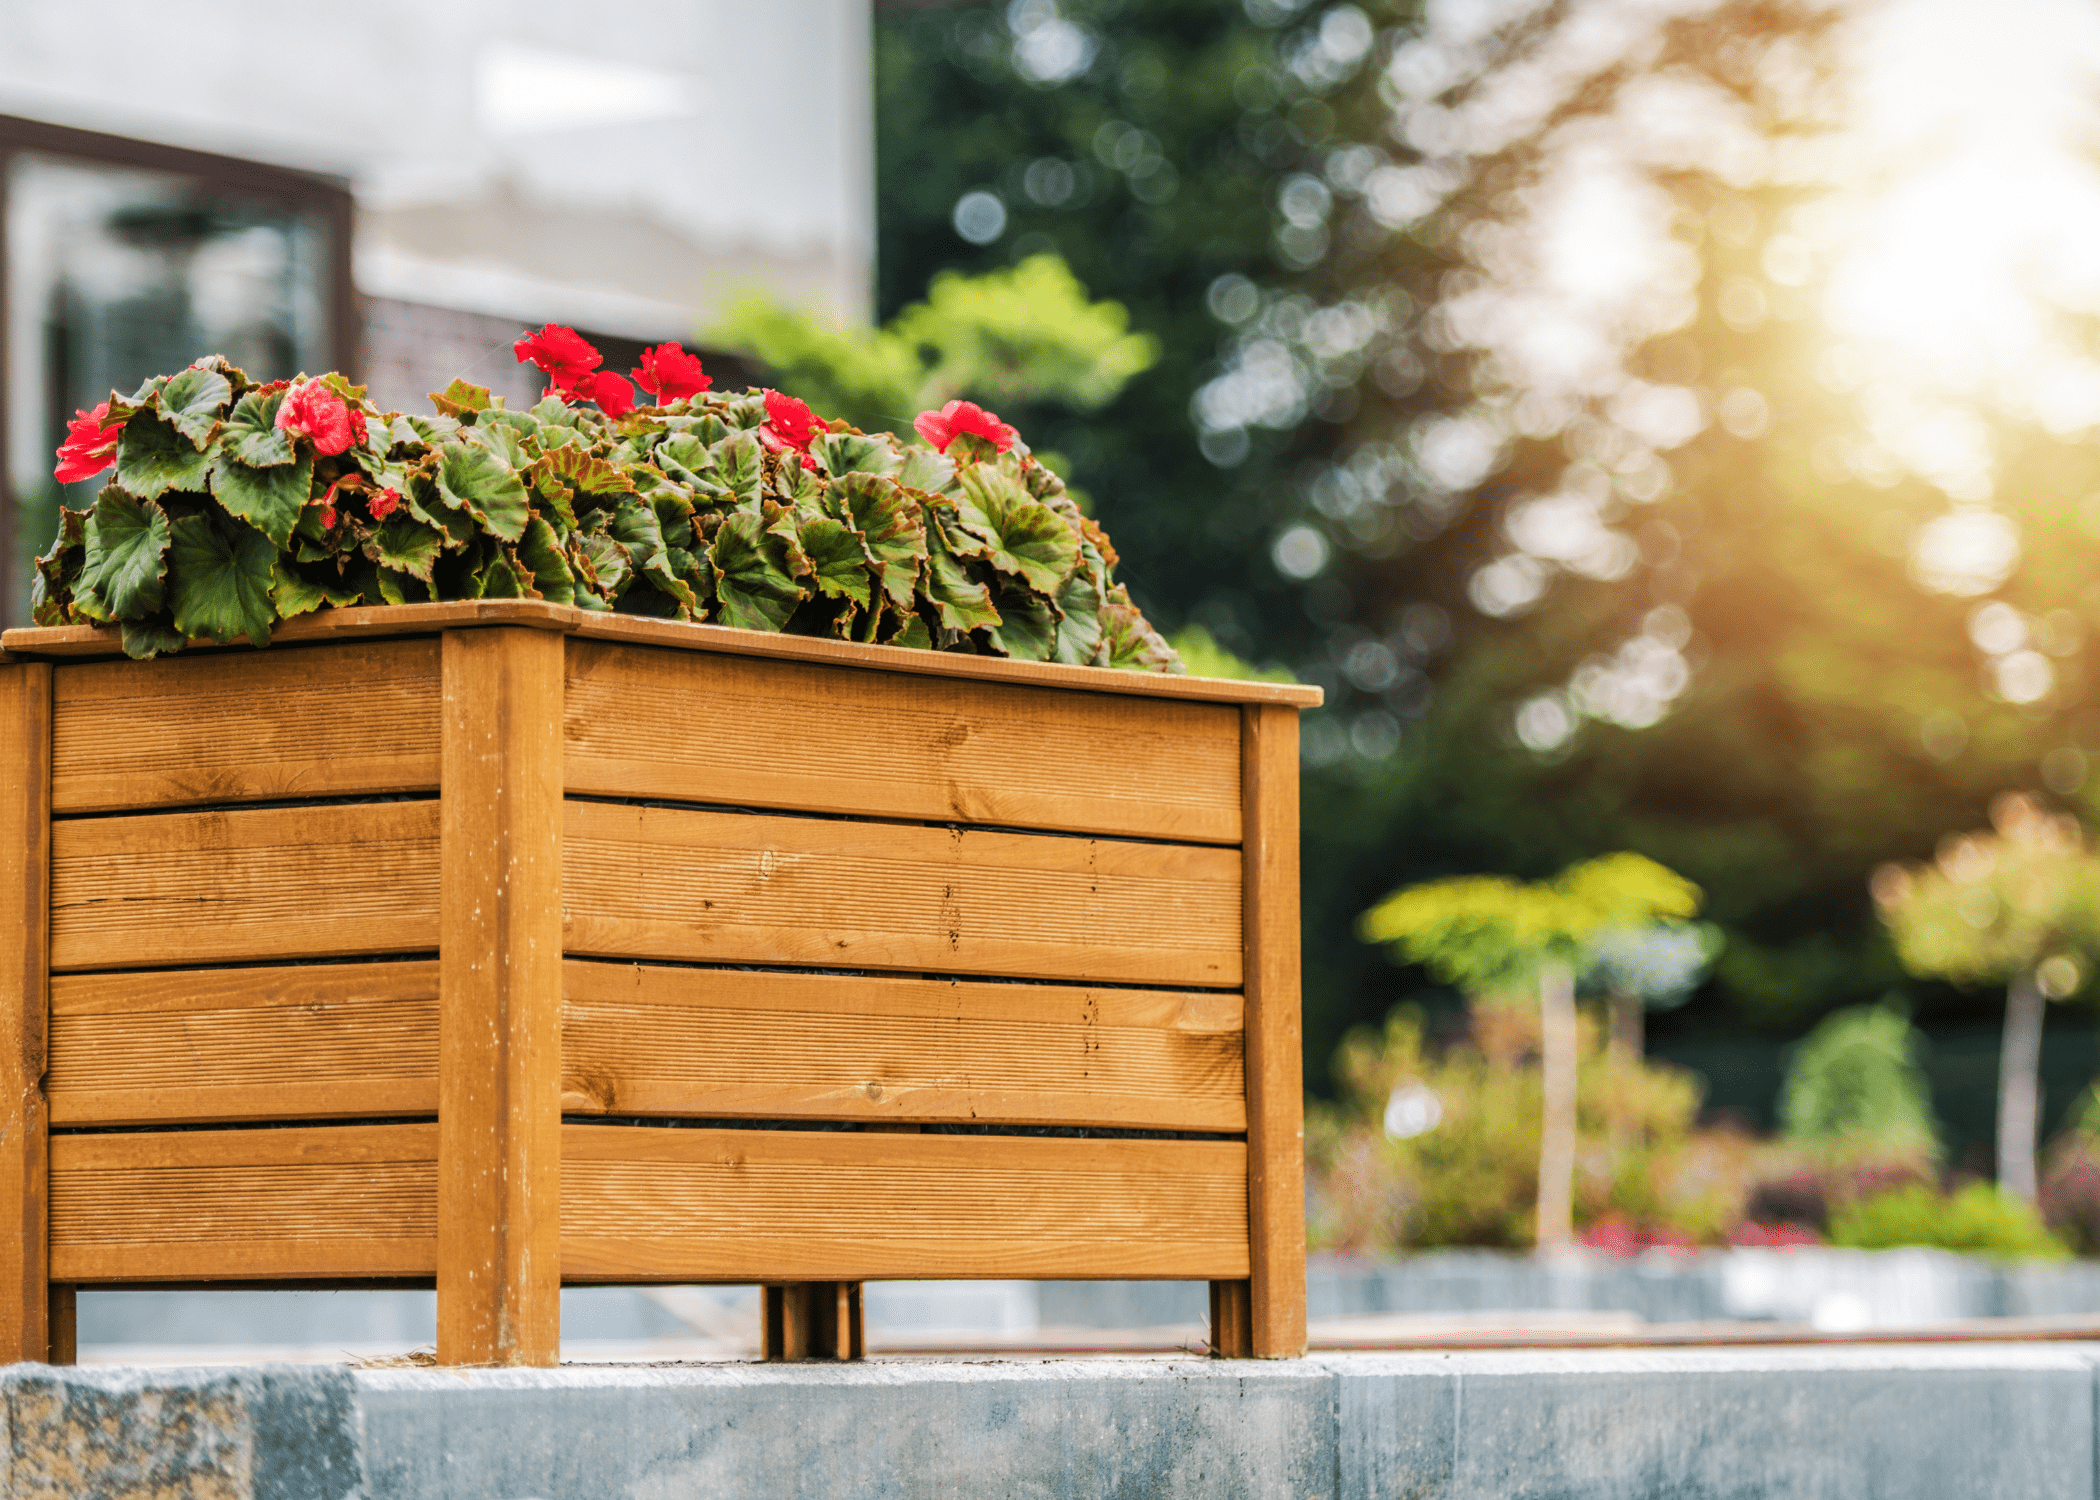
{"x":152,"y":458}
{"x":635,"y":527}
{"x":269,"y":499}
{"x":924,"y":469}
{"x":293,"y":594}
{"x":460,"y":397}
{"x":1079,"y":632}
{"x":914,"y":635}
{"x":581,"y":471}
{"x":887,"y":518}
{"x":605,"y":564}
{"x":219,"y":577}
{"x":1022,"y":536}
{"x":406,"y":545}
{"x":1027,"y":630}
{"x":57,"y":570}
{"x":838,"y":561}
{"x":1131,"y":643}
{"x":740,"y":465}
{"x":146,"y":639}
{"x":477,"y":481}
{"x":849,"y":453}
{"x":964,"y":604}
{"x":752,"y":575}
{"x":505,"y":577}
{"x":428,"y":431}
{"x":541,"y":551}
{"x":191,"y":401}
{"x":251,"y":433}
{"x":127,"y":546}
{"x":506,"y":442}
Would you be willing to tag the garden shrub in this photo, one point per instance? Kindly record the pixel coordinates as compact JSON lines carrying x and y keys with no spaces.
{"x":234,"y":505}
{"x":1855,"y":1081}
{"x":1977,"y":1220}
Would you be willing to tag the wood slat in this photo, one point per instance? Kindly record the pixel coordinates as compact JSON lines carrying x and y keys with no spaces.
{"x":64,"y":641}
{"x":727,"y":1043}
{"x":882,"y":744}
{"x":25,"y":848}
{"x":329,"y":721}
{"x":1275,"y":1067}
{"x":197,"y":1045}
{"x":218,"y":887}
{"x":734,"y":1205}
{"x":500,"y":976}
{"x":675,"y":883}
{"x":329,"y":1201}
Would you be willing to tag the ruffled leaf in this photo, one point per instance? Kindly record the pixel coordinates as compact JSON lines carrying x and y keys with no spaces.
{"x":219,"y":578}
{"x":191,"y":402}
{"x":1022,"y":536}
{"x":268,"y":499}
{"x":838,"y":563}
{"x":753,"y":575}
{"x":541,"y":551}
{"x":251,"y":434}
{"x":126,"y":553}
{"x":153,"y":458}
{"x":406,"y":545}
{"x":477,"y":481}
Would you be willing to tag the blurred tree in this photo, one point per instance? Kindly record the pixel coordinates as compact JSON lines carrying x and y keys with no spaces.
{"x":1495,"y":936}
{"x":1855,"y":1086}
{"x":2021,"y":906}
{"x":1600,"y":401}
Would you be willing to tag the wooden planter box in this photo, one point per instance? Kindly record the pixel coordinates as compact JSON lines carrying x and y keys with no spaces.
{"x":498,"y":946}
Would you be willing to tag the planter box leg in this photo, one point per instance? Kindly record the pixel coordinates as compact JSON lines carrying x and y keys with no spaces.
{"x":499,"y":1006}
{"x":812,"y":1320}
{"x":1275,"y":1082}
{"x":25,"y":924}
{"x":1231,"y":1320}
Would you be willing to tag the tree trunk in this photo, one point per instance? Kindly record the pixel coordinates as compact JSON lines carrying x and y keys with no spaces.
{"x":1556,"y":1222}
{"x":1624,"y":1055}
{"x":2019,"y":1085}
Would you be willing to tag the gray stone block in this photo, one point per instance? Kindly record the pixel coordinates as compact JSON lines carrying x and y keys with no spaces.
{"x":266,"y":1433}
{"x":1056,"y":1430}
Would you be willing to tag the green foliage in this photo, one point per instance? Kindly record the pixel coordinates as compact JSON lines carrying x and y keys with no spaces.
{"x":1977,"y":1220}
{"x":1204,"y":657}
{"x":1488,"y":933}
{"x":1998,"y":904}
{"x":219,"y":524}
{"x":1471,"y":1178}
{"x":1025,"y":333}
{"x":1856,"y":1083}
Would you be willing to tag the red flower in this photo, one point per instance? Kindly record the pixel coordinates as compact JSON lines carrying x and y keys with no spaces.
{"x":942,"y":427}
{"x":357,"y":428}
{"x":789,"y":424}
{"x":311,"y":410}
{"x":668,"y":373}
{"x":563,"y":353}
{"x":615,"y":397}
{"x":90,"y":445}
{"x":385,"y":503}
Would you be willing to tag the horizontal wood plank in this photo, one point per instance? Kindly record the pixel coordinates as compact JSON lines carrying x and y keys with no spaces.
{"x":61,"y":641}
{"x":266,"y":883}
{"x":331,"y":1201}
{"x":683,"y":884}
{"x":730,"y":1043}
{"x":743,"y":1205}
{"x":819,"y":738}
{"x":198,"y":1045}
{"x":329,"y":721}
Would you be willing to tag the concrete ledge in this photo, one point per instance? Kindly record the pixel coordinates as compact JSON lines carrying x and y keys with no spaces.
{"x":1915,"y":1422}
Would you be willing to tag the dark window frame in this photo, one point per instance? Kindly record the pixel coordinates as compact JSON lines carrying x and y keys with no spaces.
{"x":312,"y":192}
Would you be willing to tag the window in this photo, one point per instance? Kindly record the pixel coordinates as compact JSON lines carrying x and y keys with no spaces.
{"x":122,"y":260}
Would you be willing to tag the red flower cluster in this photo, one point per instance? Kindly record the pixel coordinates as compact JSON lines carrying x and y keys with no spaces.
{"x":943,"y":427}
{"x":668,"y":373}
{"x":311,"y":410}
{"x":1774,"y":1236}
{"x":90,"y":445}
{"x":381,"y":502}
{"x":571,"y":366}
{"x":790,"y":426}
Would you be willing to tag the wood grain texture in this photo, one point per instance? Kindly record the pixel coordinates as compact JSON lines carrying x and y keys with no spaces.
{"x":676,"y":883}
{"x":425,"y":619}
{"x":199,"y":1045}
{"x":643,"y":1204}
{"x":499,"y":986}
{"x":217,"y":887}
{"x":819,"y":738}
{"x":329,"y":721}
{"x":727,"y":1043}
{"x":349,"y":1201}
{"x":25,"y":845}
{"x":1275,"y":1088}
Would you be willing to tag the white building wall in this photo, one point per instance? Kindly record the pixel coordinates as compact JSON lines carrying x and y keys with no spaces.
{"x":625,"y":168}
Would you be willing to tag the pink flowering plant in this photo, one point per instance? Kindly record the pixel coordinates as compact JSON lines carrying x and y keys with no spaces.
{"x":233,"y":504}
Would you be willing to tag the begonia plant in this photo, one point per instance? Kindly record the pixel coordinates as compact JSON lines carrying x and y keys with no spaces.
{"x":235,"y":504}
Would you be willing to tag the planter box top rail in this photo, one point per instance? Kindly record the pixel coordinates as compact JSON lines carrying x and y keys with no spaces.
{"x":77,"y":641}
